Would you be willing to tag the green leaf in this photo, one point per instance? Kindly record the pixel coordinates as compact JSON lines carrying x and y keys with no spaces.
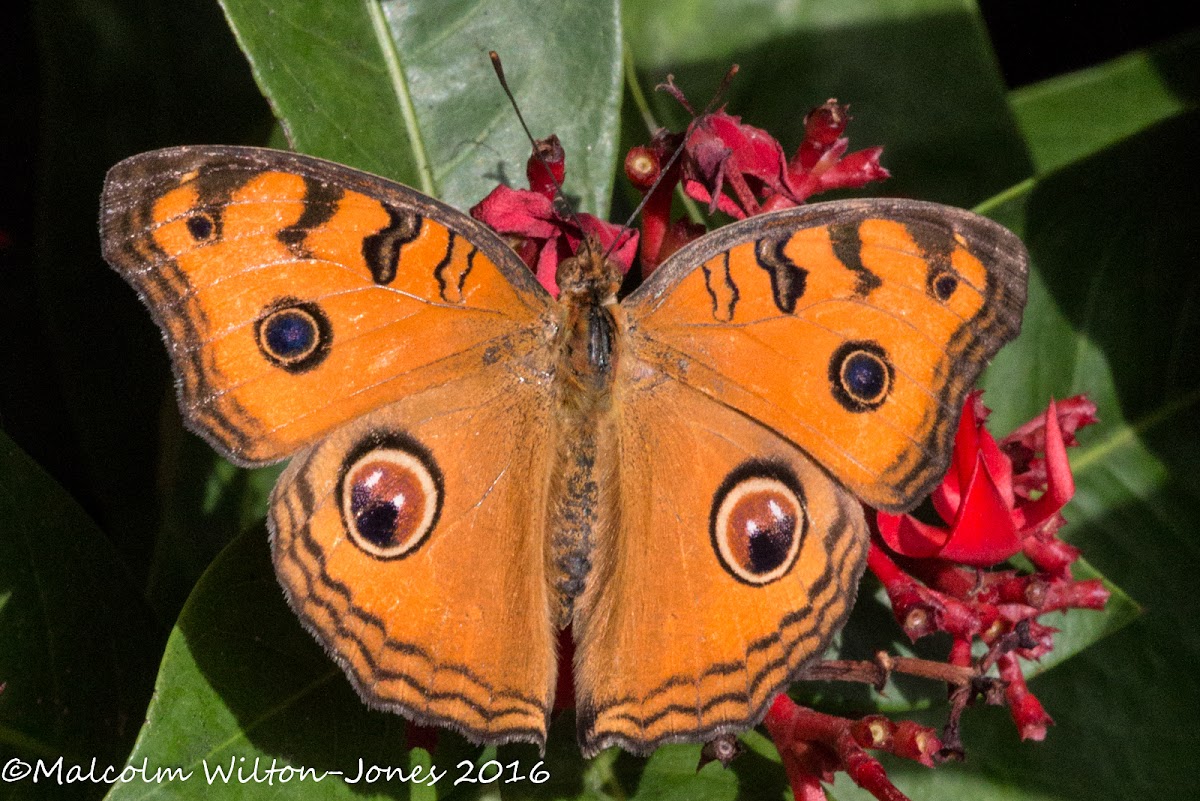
{"x":1072,"y":116}
{"x":77,"y":644}
{"x":206,"y":502}
{"x":241,"y":680}
{"x":919,"y":77}
{"x":406,"y":89}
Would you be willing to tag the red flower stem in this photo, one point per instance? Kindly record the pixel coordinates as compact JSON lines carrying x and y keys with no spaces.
{"x":789,"y":724}
{"x":1027,"y":711}
{"x":1051,"y":555}
{"x":1089,"y":594}
{"x":945,"y":577}
{"x":887,"y":571}
{"x":920,"y":610}
{"x":656,"y":219}
{"x":425,"y":737}
{"x":960,"y":652}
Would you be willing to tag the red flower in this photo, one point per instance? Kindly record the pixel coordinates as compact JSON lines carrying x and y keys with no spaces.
{"x":997,"y":499}
{"x":741,"y":170}
{"x":541,"y":234}
{"x":722,"y":150}
{"x":986,"y":499}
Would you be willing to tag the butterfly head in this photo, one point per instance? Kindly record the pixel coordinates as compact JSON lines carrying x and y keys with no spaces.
{"x":589,"y":276}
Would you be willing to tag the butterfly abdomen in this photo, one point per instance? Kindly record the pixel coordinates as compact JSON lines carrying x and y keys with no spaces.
{"x":581,"y":499}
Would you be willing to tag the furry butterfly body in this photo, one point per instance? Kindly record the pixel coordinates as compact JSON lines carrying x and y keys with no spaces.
{"x":476,"y":465}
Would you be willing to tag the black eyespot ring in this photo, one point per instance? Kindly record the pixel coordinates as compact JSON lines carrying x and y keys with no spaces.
{"x":758,"y":521}
{"x":390,"y":492}
{"x":293,"y":335}
{"x":942,"y":284}
{"x":861,"y":376}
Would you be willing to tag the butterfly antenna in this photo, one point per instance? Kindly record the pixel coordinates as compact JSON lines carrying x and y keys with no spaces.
{"x":499,"y":68}
{"x":721,"y":89}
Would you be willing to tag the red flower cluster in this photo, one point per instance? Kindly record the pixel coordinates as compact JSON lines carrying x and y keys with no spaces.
{"x":541,"y":233}
{"x":733,"y":167}
{"x":814,"y":746}
{"x":997,"y":499}
{"x":740,"y":170}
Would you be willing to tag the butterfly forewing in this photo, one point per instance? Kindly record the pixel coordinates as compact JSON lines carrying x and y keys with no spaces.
{"x":853,"y":328}
{"x":295,"y":294}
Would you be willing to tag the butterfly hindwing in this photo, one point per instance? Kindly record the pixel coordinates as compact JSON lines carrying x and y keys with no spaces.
{"x":733,"y":561}
{"x":411,"y":541}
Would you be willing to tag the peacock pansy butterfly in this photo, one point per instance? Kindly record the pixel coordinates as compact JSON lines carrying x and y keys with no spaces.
{"x":475,"y":465}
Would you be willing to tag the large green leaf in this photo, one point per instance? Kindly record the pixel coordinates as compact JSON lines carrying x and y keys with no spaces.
{"x":919,"y":76}
{"x":406,"y":89}
{"x":1073,"y":116}
{"x":240,"y":680}
{"x":77,"y":643}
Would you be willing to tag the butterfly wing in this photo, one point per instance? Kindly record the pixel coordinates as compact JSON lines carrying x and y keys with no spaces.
{"x":734,"y":560}
{"x":853,"y":328}
{"x":295,"y":294}
{"x":772,"y":371}
{"x":397,"y":347}
{"x":411,"y":543}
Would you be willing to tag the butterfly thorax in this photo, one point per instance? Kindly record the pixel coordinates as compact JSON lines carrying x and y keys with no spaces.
{"x":588,"y":284}
{"x":588,"y":350}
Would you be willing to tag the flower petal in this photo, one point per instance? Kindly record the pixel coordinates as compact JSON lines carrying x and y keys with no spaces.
{"x":1060,"y":484}
{"x":518,"y":211}
{"x":983,"y":533}
{"x":908,"y":536}
{"x":608,"y":234}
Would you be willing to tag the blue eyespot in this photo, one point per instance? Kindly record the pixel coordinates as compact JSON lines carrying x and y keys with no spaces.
{"x":864,"y":375}
{"x":293,"y":335}
{"x":290,"y":334}
{"x":860,"y":376}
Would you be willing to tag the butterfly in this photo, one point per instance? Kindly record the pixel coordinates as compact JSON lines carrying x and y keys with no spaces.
{"x":476,"y":465}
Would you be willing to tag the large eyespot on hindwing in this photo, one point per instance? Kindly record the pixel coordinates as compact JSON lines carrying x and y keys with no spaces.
{"x":390,"y":493}
{"x":758,"y":521}
{"x":293,"y":335}
{"x":861,"y":376}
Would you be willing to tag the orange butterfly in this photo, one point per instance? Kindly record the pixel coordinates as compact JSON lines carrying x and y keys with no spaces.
{"x":476,"y":465}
